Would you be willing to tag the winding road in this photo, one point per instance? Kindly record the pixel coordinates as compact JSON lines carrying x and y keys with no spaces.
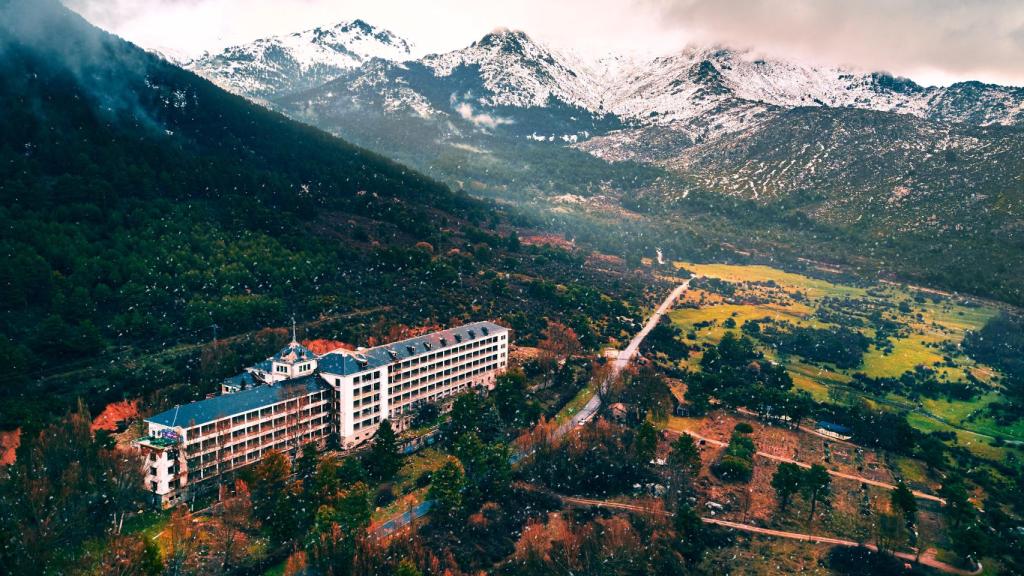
{"x":623,"y":358}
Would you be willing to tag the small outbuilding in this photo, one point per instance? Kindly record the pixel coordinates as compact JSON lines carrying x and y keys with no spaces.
{"x":833,"y":430}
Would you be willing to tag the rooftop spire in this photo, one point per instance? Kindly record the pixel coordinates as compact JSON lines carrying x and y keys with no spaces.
{"x":294,"y":338}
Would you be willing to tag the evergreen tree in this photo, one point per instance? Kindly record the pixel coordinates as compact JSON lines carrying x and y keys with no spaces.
{"x":905,"y":503}
{"x":407,"y":568}
{"x":515,"y":409}
{"x":816,"y":486}
{"x":684,"y":457}
{"x":446,"y":489}
{"x":787,"y":481}
{"x":646,"y":443}
{"x":383,"y":460}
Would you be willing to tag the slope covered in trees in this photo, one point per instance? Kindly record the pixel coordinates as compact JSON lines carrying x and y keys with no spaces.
{"x":141,"y":205}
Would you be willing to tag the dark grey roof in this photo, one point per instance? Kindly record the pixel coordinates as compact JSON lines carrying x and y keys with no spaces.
{"x":346,"y":363}
{"x":833,"y":427}
{"x":243,"y":380}
{"x":218,"y":407}
{"x":294,"y":352}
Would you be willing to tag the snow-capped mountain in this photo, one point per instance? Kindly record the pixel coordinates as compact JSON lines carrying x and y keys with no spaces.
{"x":509,"y":117}
{"x":517,"y":71}
{"x":677,"y":87}
{"x":282,"y":64}
{"x":474,"y":112}
{"x":701,"y":92}
{"x":505,"y":83}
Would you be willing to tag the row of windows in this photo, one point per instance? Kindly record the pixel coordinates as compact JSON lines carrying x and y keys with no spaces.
{"x":277,"y":440}
{"x":365,"y":423}
{"x":276,"y":423}
{"x":366,"y":411}
{"x":434,"y":370}
{"x":365,"y":400}
{"x":392,"y":391}
{"x":366,"y":377}
{"x":410,"y":406}
{"x":447,"y":352}
{"x":367,"y":389}
{"x":446,"y":362}
{"x":408,"y":397}
{"x":284,"y":369}
{"x":211,"y":427}
{"x":210,"y":470}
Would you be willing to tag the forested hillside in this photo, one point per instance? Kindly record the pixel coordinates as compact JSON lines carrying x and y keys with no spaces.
{"x":142,"y":205}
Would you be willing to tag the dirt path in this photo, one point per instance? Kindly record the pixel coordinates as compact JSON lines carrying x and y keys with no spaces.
{"x":927,"y":558}
{"x":837,"y":474}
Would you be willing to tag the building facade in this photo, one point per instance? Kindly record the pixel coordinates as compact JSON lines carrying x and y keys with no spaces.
{"x":297,"y":397}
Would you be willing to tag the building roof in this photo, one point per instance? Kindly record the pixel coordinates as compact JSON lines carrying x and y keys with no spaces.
{"x":203,"y":411}
{"x":243,"y":380}
{"x":345,"y":362}
{"x":294,"y":352}
{"x":833,"y":427}
{"x":254,"y":394}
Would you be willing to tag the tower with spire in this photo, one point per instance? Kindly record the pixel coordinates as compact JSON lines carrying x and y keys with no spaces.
{"x":293,"y":361}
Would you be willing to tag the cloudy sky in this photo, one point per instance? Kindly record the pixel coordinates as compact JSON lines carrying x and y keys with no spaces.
{"x":932,"y":41}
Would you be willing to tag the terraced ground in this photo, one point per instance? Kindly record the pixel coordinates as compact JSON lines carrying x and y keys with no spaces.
{"x":930,"y":328}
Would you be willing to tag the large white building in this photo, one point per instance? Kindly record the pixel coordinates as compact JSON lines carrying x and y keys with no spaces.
{"x":297,"y":397}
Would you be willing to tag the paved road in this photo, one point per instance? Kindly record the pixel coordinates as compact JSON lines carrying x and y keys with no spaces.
{"x":928,"y":558}
{"x":837,"y":474}
{"x":586,"y":413}
{"x":622,"y":359}
{"x":401,"y":520}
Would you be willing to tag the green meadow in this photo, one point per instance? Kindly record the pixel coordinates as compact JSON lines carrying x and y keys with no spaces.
{"x":930,"y":328}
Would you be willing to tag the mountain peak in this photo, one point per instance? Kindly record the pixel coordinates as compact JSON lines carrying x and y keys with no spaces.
{"x":301,"y":60}
{"x":505,"y":40}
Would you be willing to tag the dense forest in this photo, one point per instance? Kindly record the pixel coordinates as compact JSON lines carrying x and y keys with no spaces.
{"x":144,"y":208}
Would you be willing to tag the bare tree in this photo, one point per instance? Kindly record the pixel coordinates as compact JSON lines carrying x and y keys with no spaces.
{"x":183,"y":540}
{"x":123,"y":481}
{"x":560,"y":340}
{"x":233,"y":522}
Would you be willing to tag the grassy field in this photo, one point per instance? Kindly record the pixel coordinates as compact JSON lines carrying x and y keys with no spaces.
{"x":407,"y":494}
{"x":930,"y":328}
{"x":577,"y":403}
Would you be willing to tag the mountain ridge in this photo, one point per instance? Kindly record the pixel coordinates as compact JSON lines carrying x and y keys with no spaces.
{"x":523,"y":72}
{"x":297,"y":61}
{"x":704,"y":129}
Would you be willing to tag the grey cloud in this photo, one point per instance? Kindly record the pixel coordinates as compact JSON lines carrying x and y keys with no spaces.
{"x":960,"y":39}
{"x":944,"y":40}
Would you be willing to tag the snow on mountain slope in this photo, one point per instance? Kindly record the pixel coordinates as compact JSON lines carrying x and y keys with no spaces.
{"x":702,"y":92}
{"x":283,"y":64}
{"x":521,"y":72}
{"x":679,"y":87}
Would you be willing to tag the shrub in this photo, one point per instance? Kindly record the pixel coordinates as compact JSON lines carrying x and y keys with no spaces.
{"x":385,"y":495}
{"x":737,"y":462}
{"x":733,"y":469}
{"x":744,"y":428}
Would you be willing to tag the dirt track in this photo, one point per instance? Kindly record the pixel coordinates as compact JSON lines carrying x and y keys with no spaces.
{"x":927,"y":559}
{"x":835,"y":473}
